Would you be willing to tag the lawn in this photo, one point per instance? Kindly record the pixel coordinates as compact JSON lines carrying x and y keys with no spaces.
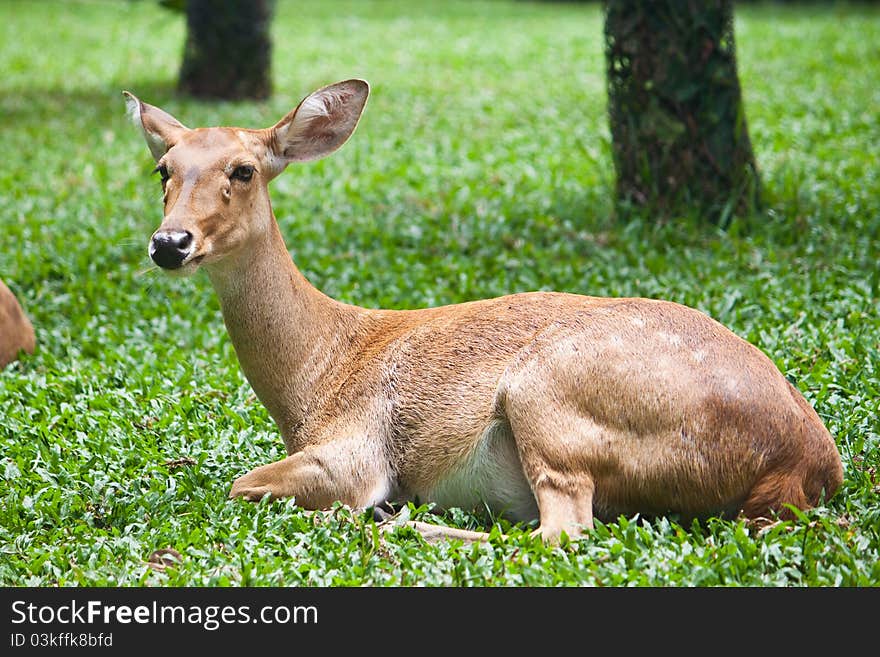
{"x":481,"y":167}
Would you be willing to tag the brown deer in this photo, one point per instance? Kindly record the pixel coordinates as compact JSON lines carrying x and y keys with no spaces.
{"x":540,"y":405}
{"x":16,"y":330}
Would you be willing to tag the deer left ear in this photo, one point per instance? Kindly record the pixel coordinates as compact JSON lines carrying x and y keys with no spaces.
{"x":161,"y":130}
{"x":320,"y":124}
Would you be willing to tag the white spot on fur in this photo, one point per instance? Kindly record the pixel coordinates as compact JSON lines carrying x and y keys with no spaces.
{"x":671,"y":338}
{"x":637,"y":321}
{"x":699,"y":355}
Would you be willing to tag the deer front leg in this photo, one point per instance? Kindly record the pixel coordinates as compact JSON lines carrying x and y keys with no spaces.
{"x":318,"y":476}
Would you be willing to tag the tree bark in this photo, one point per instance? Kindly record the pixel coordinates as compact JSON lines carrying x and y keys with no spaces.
{"x":679,"y":136}
{"x":228,"y":49}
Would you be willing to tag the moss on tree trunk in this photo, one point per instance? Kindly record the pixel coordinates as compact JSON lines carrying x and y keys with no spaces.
{"x":680,"y":140}
{"x":228,"y":49}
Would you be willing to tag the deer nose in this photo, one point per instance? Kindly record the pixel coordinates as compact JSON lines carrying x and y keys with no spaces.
{"x":169,"y":248}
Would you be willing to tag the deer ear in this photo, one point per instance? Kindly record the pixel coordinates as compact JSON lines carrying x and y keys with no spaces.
{"x":320,"y":124}
{"x":161,"y":130}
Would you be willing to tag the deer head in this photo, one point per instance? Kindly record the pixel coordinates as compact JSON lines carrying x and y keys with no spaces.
{"x":214,"y":180}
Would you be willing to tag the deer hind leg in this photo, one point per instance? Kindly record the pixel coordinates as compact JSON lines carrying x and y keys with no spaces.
{"x":565,"y":503}
{"x":772,"y":492}
{"x":556,"y":447}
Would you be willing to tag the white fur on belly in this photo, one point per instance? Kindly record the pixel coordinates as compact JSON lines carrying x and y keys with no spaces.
{"x":492,"y":477}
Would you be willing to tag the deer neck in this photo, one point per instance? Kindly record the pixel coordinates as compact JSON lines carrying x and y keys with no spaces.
{"x":286,"y":333}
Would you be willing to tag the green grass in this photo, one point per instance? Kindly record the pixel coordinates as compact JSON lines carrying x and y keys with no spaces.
{"x":482,"y":167}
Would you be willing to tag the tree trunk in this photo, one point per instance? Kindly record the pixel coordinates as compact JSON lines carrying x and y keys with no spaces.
{"x":678,"y":126}
{"x":228,"y":49}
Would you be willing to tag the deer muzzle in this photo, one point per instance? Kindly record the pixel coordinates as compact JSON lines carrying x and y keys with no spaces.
{"x":170,"y":248}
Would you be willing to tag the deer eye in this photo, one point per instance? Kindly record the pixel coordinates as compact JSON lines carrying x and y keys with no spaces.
{"x":244,"y":172}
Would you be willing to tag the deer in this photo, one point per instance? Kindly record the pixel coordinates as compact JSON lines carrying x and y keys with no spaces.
{"x":16,"y":331}
{"x":552,"y":408}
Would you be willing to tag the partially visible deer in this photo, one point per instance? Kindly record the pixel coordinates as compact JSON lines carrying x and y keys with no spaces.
{"x":16,"y":331}
{"x":540,"y":405}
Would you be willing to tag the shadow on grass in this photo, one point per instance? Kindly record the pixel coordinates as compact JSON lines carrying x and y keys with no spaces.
{"x":36,"y":106}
